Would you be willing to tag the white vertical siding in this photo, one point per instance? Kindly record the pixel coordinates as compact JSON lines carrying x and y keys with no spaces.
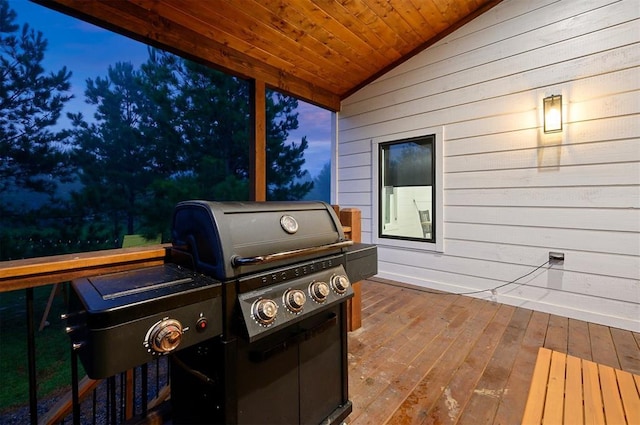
{"x":512,"y":193}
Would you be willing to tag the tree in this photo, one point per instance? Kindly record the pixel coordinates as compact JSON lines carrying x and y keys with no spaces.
{"x":321,"y":185}
{"x":215,"y":120}
{"x":284,"y":162}
{"x":122,"y":153}
{"x":32,"y":154}
{"x":175,"y":130}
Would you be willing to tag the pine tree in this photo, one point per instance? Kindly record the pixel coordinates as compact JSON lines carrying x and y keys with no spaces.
{"x":32,"y":154}
{"x":125,"y":150}
{"x":284,"y":161}
{"x":175,"y":130}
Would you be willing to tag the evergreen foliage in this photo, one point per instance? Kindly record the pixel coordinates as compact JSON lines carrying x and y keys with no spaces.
{"x":168,"y":130}
{"x":32,"y":155}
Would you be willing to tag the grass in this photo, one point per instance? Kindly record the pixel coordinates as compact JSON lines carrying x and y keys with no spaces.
{"x":53,"y":364}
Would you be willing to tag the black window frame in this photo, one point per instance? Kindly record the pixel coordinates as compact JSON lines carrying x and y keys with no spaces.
{"x":382,"y":160}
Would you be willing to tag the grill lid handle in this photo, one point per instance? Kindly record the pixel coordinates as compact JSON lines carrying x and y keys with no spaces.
{"x":238,"y":261}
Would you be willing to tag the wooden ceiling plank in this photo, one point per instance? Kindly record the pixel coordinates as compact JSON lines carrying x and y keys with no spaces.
{"x":297,"y":47}
{"x":169,"y":13}
{"x":317,"y":50}
{"x":390,"y":17}
{"x":370,"y":26}
{"x":245,"y":35}
{"x":327,"y":30}
{"x":187,"y":28}
{"x":352,"y":27}
{"x":448,"y":9}
{"x":285,"y":18}
{"x":412,"y":16}
{"x":431,"y":14}
{"x":467,"y":7}
{"x":115,"y":15}
{"x":488,"y":4}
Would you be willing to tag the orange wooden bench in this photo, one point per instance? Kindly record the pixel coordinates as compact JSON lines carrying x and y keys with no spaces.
{"x":569,"y":390}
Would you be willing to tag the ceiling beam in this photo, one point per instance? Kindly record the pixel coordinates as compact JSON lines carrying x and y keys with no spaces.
{"x":140,"y":22}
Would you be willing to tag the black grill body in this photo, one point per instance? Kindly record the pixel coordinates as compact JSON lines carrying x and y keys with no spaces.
{"x":271,"y":280}
{"x":293,"y":370}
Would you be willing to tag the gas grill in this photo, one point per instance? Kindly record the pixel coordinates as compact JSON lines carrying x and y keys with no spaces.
{"x":252,"y":311}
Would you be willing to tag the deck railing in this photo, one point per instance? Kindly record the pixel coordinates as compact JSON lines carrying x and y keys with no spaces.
{"x":125,"y":396}
{"x":31,"y":273}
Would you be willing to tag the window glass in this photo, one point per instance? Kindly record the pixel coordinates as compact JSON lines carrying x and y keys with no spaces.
{"x":407,"y":189}
{"x":298,"y":150}
{"x":315,"y":127}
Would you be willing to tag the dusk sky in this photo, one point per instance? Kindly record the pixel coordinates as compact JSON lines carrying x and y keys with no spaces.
{"x":88,"y":50}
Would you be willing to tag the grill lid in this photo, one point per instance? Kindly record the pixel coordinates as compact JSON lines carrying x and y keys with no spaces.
{"x":227,"y":239}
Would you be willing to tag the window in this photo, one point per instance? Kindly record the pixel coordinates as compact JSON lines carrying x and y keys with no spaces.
{"x":406,"y":189}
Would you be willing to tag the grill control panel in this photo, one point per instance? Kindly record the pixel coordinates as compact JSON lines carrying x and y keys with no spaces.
{"x":268,"y":309}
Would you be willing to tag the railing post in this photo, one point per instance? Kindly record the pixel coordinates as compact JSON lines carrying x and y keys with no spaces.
{"x":351,"y":218}
{"x":75,"y":398}
{"x":31,"y":359}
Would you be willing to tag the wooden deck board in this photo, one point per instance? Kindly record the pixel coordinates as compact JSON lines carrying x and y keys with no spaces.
{"x":513,"y":400}
{"x":579,"y":344}
{"x":557,"y":334}
{"x":439,"y":333}
{"x":602,"y":347}
{"x":485,"y":401}
{"x":418,"y":406}
{"x":429,"y":358}
{"x":627,"y":350}
{"x":465,"y":378}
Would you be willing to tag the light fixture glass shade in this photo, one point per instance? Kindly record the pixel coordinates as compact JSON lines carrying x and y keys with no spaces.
{"x":552,"y":106}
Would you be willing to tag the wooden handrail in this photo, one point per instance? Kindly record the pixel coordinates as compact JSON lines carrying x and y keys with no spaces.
{"x":33,"y":272}
{"x":40,"y":271}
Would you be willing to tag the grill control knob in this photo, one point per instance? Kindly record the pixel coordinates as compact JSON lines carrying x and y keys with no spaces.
{"x":164,"y":336}
{"x":264,"y":311}
{"x":319,"y":291}
{"x":340,"y":283}
{"x":294,"y":300}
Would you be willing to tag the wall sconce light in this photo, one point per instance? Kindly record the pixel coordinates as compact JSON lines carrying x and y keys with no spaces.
{"x":552,"y":108}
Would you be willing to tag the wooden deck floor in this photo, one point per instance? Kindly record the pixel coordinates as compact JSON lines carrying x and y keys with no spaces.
{"x":422,"y":358}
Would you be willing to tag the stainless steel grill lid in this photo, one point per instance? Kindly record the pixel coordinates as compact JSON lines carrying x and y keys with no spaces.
{"x":227,"y":239}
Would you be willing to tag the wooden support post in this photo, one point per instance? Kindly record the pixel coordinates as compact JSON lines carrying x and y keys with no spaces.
{"x":351,"y":218}
{"x":258,"y":143}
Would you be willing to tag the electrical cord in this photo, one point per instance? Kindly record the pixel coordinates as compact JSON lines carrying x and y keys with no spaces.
{"x":496,"y":287}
